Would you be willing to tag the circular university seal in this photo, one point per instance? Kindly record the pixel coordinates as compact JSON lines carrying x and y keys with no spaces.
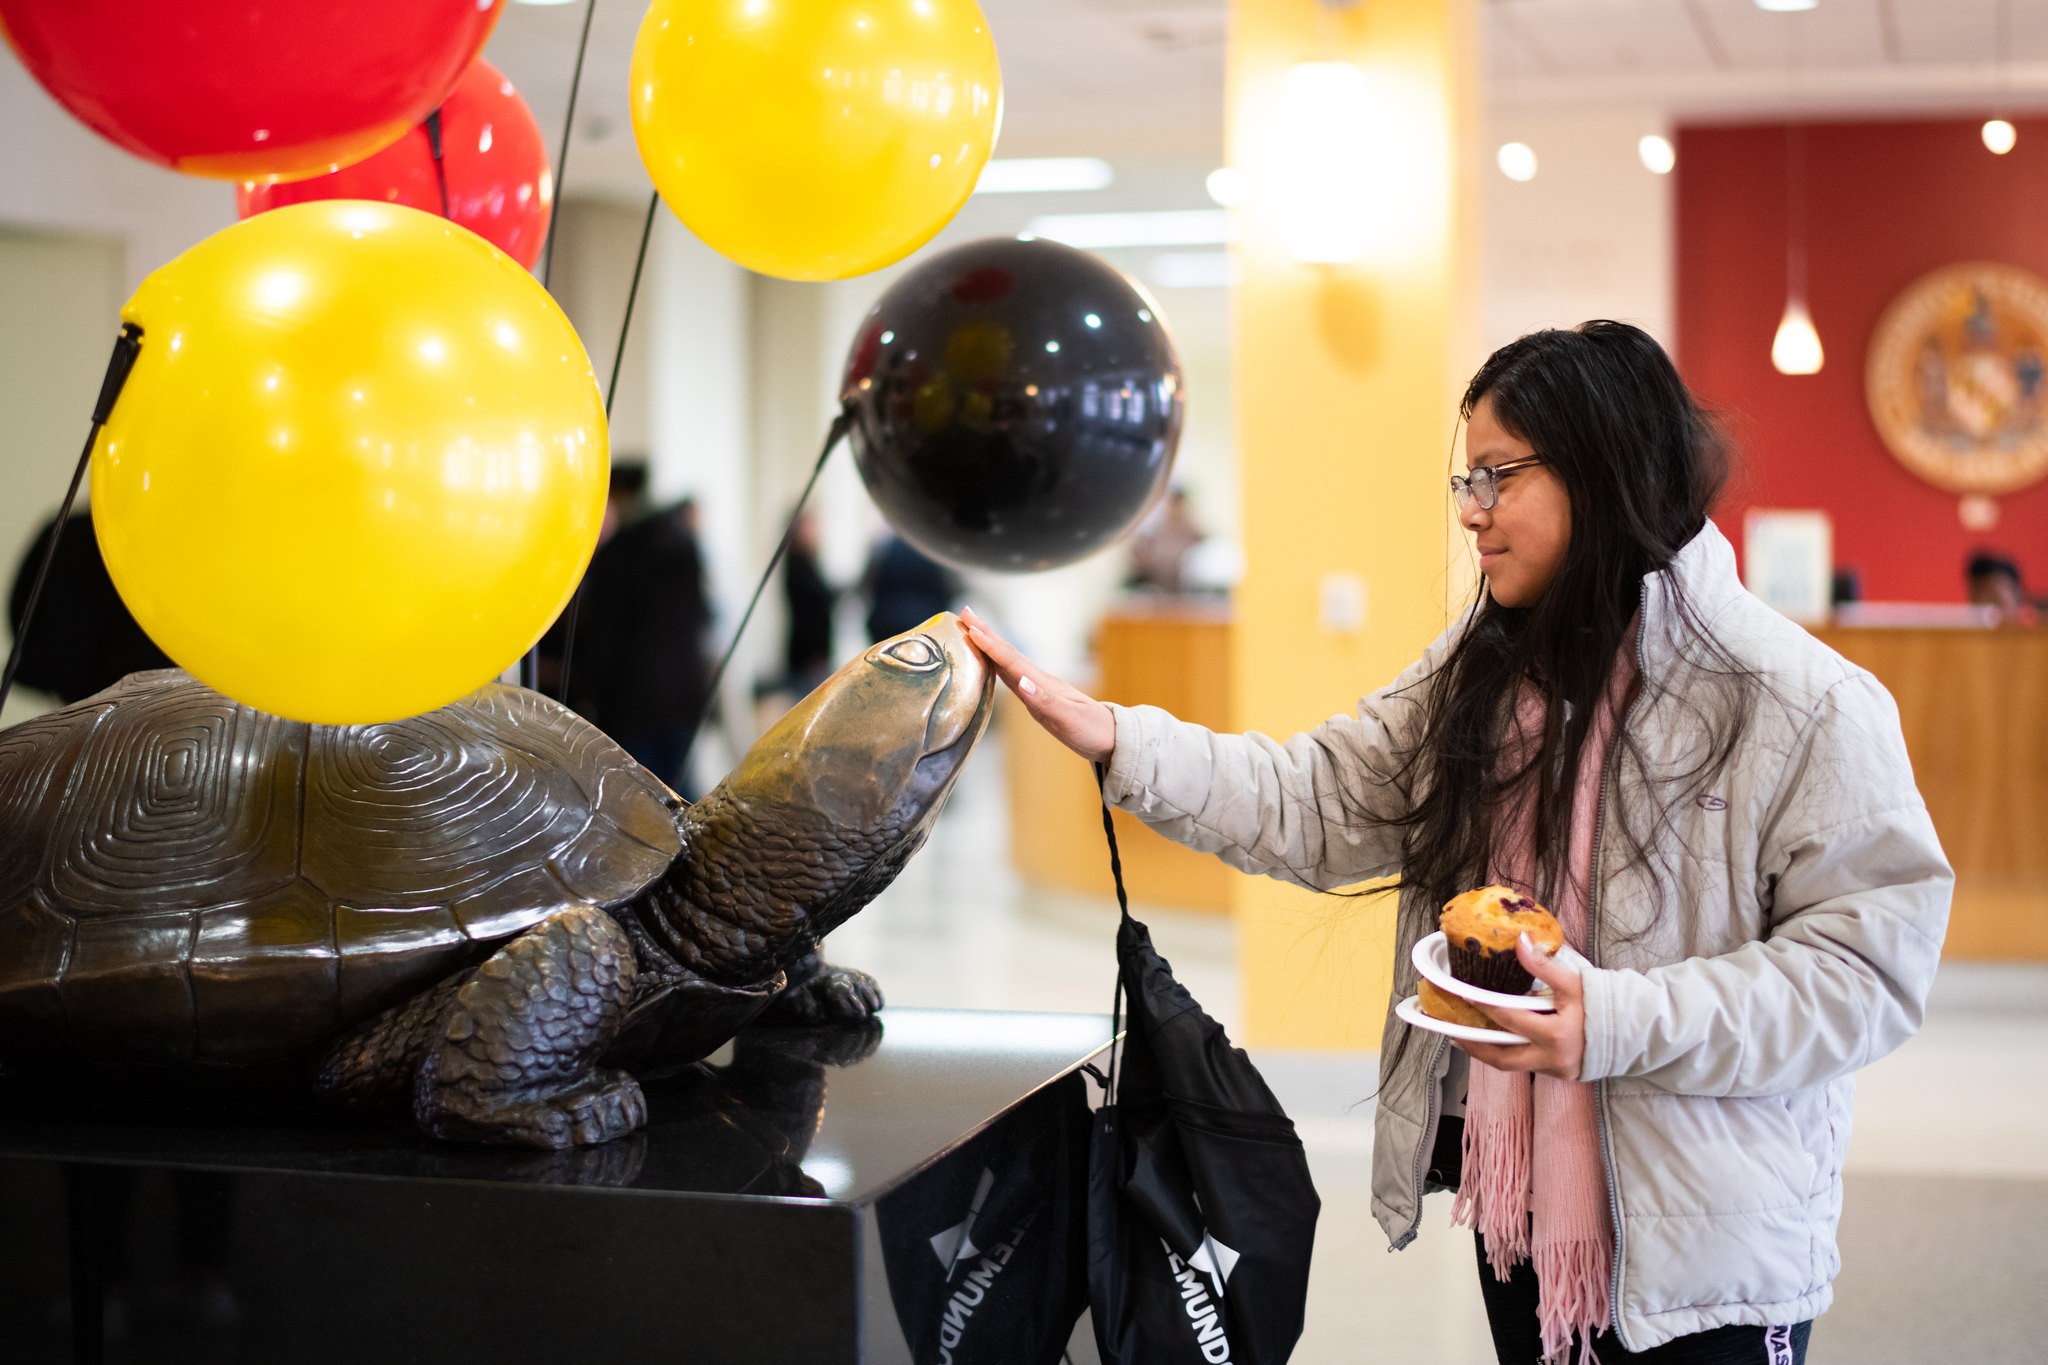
{"x":1954,"y":378}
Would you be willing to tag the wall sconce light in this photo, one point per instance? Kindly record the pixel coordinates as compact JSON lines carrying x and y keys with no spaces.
{"x":1323,"y":174}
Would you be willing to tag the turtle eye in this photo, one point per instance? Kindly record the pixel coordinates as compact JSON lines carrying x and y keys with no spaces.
{"x":916,"y":653}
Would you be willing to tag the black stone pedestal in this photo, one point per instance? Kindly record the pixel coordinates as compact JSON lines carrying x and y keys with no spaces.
{"x":742,"y":1225}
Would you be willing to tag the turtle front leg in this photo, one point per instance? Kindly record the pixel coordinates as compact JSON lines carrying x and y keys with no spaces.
{"x":820,"y":993}
{"x":514,"y":1056}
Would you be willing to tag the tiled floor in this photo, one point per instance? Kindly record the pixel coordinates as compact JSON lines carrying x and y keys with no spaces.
{"x":1945,"y":1234}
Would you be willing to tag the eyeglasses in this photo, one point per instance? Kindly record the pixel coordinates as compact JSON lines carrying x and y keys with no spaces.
{"x":1482,"y":485}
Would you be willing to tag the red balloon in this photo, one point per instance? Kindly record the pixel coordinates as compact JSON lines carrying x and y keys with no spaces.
{"x":491,"y":152}
{"x":249,"y":89}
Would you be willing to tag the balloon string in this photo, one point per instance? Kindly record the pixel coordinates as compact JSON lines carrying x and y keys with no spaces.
{"x":529,"y":663}
{"x":433,"y":126}
{"x":840,"y":426}
{"x":611,"y":391}
{"x":126,"y":347}
{"x":632,"y":293}
{"x":547,"y":250}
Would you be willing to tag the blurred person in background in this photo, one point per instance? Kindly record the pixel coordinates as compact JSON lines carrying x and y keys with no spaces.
{"x":83,"y":638}
{"x":807,"y":653}
{"x":904,"y":588}
{"x":1994,"y":581}
{"x":1160,"y":546}
{"x":639,"y":670}
{"x":622,"y":502}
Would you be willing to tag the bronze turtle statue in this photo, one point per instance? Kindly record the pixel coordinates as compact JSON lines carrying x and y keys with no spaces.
{"x":486,"y":911}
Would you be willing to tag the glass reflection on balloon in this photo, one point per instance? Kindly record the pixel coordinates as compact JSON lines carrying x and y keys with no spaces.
{"x":1016,"y":405}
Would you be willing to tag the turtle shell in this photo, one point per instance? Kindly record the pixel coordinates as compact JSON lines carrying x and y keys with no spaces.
{"x":185,"y":881}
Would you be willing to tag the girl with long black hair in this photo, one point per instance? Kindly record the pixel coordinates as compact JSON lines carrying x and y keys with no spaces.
{"x":1718,"y":808}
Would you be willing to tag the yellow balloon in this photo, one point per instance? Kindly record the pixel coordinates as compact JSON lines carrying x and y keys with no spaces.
{"x":359,"y":466}
{"x":815,"y":139}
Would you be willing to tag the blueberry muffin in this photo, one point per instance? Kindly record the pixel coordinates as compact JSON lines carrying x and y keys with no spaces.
{"x":1480,"y":929}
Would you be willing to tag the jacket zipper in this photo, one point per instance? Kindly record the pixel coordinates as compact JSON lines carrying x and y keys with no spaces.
{"x":1593,"y":943}
{"x":1429,"y":1120}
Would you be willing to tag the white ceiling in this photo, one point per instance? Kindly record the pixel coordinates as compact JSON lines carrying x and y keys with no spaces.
{"x":1727,"y":58}
{"x":1143,"y":79}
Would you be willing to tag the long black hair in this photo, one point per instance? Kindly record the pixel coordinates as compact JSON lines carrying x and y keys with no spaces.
{"x":1642,"y":463}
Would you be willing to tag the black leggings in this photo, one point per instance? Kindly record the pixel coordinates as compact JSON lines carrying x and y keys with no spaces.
{"x":1511,"y":1307}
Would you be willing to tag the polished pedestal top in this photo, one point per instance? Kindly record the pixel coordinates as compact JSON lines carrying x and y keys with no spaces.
{"x":832,"y":1114}
{"x":770,"y":1212}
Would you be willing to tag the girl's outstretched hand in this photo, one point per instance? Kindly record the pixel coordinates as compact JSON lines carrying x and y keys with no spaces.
{"x":1557,"y":1041}
{"x":1068,"y":714}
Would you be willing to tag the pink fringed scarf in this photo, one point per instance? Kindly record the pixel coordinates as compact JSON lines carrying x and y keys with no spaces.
{"x":1533,"y":1183}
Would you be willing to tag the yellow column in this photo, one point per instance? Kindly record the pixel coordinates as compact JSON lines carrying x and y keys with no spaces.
{"x":1347,"y":382}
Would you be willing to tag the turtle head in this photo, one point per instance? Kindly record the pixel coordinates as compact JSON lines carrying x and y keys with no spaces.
{"x":828,"y":805}
{"x":878,"y":745}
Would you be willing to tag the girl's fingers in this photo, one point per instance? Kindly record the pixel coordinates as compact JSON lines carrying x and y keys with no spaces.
{"x":999,"y":651}
{"x":1070,"y":715}
{"x":1562,"y":980}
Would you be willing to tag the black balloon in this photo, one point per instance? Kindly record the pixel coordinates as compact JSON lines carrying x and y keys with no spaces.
{"x":1016,"y":404}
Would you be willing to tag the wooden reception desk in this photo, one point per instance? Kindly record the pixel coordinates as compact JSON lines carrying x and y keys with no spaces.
{"x":1175,"y":654}
{"x":1974,"y":704}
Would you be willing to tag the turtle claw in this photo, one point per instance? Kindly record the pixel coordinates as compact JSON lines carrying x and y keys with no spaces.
{"x":834,"y":995}
{"x":612,"y":1107}
{"x":609,"y":1105}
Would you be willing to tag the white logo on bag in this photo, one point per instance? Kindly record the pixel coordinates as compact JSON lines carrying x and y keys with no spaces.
{"x":1214,"y":1260}
{"x":955,"y":1248}
{"x":954,"y":1245}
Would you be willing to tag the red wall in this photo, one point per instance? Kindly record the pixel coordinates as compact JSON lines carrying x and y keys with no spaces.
{"x":1885,"y":203}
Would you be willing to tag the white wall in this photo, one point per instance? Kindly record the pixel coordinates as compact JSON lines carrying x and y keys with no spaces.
{"x":1591,"y":236}
{"x":699,"y":434}
{"x":58,"y":300}
{"x":596,"y":243}
{"x":57,"y":176}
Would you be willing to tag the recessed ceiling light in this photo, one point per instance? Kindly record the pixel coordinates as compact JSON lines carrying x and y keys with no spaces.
{"x":1172,"y":227}
{"x":1192,"y":270}
{"x":1786,"y":6}
{"x":2000,"y":136}
{"x":1517,"y":160}
{"x":1226,"y":186}
{"x":1045,"y":175}
{"x":1658,"y":155}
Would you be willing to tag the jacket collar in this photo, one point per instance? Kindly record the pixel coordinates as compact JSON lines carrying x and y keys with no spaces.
{"x":1703,"y":572}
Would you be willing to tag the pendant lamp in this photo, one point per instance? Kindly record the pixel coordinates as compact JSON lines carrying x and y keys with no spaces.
{"x":1999,"y":135}
{"x":1796,"y":348}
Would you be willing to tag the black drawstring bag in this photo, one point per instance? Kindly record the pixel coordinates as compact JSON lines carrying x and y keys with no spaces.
{"x":984,"y":1251}
{"x":1201,"y":1213}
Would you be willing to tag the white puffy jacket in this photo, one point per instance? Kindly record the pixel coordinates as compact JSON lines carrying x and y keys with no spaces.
{"x":1783,"y":933}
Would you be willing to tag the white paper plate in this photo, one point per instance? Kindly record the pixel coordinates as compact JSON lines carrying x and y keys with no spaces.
{"x":1432,"y":959}
{"x":1410,"y":1011}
